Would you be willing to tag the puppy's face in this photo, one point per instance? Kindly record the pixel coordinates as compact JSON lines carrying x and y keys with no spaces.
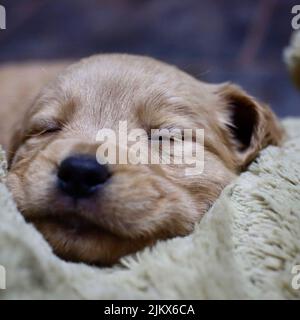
{"x":98,"y":213}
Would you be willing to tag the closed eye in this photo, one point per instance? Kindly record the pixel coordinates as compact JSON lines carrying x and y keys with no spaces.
{"x":49,"y":131}
{"x":42,"y":129}
{"x":161,"y":134}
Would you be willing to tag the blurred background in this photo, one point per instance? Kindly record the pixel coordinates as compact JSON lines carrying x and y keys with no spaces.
{"x":215,"y":40}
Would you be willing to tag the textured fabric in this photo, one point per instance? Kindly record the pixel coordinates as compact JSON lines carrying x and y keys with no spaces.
{"x":244,"y":247}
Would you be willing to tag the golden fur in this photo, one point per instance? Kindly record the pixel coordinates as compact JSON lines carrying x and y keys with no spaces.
{"x":140,"y":204}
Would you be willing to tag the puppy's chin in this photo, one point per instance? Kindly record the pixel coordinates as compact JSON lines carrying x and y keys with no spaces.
{"x":75,"y":239}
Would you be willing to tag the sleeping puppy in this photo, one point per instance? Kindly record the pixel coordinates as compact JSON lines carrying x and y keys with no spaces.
{"x":97,"y":213}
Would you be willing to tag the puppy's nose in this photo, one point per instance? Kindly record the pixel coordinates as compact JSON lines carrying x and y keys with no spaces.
{"x":79,"y":176}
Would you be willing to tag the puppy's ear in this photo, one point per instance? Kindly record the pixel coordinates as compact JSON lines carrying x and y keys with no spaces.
{"x":249,"y":124}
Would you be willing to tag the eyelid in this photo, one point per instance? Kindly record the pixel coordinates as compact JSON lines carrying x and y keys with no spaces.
{"x":43,"y":127}
{"x":179,"y":134}
{"x":176,"y":133}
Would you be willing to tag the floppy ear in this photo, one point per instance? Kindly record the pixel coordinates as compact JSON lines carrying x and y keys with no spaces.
{"x":250,"y":125}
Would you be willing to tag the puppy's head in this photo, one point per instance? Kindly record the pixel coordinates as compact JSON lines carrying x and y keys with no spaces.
{"x":98,"y":213}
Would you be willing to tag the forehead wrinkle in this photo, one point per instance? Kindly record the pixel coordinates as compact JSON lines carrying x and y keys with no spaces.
{"x":165,"y":110}
{"x":108,"y":99}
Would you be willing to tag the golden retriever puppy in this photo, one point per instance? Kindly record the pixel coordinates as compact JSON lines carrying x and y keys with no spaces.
{"x":95,"y":212}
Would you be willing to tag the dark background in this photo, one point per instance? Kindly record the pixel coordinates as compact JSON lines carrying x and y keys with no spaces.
{"x":215,"y":40}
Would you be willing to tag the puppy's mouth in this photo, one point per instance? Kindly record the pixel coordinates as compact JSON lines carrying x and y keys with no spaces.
{"x":76,"y":239}
{"x":70,"y":224}
{"x":74,"y":223}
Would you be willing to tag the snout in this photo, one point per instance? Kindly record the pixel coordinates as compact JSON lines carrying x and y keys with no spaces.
{"x":80,"y":176}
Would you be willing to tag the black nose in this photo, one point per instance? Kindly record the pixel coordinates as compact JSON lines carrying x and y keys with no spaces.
{"x":80,"y":176}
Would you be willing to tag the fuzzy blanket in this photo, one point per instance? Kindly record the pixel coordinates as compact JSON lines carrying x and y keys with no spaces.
{"x":245,"y":246}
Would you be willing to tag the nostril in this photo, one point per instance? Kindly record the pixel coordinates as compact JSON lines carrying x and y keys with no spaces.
{"x":97,"y":176}
{"x":80,"y":175}
{"x":64,"y":172}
